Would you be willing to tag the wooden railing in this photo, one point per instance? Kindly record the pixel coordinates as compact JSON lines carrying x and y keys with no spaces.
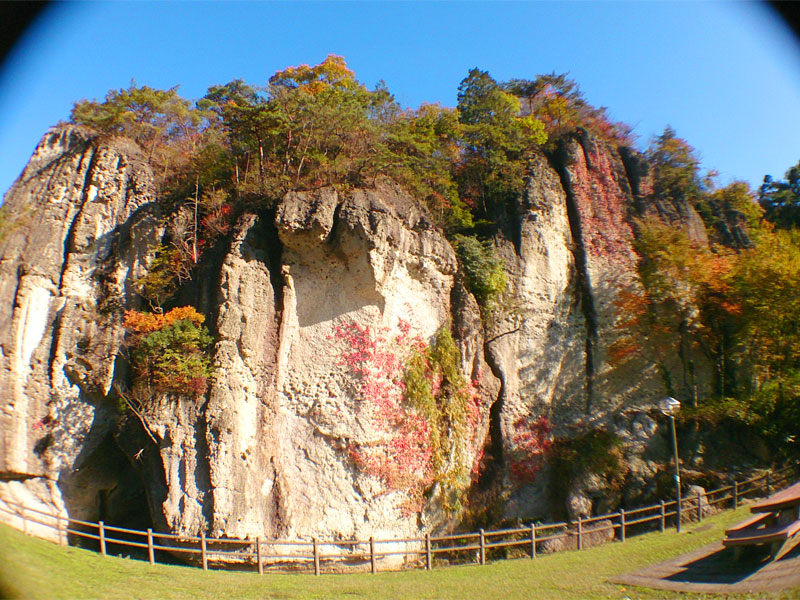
{"x":422,"y":552}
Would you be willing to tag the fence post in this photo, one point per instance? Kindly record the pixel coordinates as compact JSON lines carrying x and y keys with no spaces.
{"x":622,"y":524}
{"x":203,"y":550}
{"x":580,"y":532}
{"x":316,"y":557}
{"x":735,"y":495}
{"x":533,"y":540}
{"x":483,"y":548}
{"x":428,"y":561}
{"x":258,"y":556}
{"x":372,"y":554}
{"x":62,"y":535}
{"x":699,"y":506}
{"x":150,"y":551}
{"x":102,"y":532}
{"x":663,"y":518}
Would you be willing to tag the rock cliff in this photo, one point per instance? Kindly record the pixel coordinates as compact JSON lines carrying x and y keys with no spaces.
{"x":267,"y":451}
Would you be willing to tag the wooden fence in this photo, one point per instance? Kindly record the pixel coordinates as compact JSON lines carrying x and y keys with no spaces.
{"x":421,"y":552}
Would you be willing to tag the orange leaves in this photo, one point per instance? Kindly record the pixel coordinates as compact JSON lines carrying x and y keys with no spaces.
{"x":143,"y":323}
{"x":169,"y":353}
{"x":622,"y":350}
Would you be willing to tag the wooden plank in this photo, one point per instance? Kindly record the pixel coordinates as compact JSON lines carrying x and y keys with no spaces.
{"x":750,"y":522}
{"x":483,"y":548}
{"x":783,"y":499}
{"x":762,"y":535}
{"x":203,"y":554}
{"x":102,"y":531}
{"x":373,"y":567}
{"x":428,"y":561}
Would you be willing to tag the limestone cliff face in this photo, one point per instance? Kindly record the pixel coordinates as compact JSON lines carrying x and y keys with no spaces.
{"x":574,"y":254}
{"x":78,"y":228}
{"x":266,"y":452}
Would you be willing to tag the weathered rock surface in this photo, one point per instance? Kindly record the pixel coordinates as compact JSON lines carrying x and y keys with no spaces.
{"x":266,"y":452}
{"x":78,"y":230}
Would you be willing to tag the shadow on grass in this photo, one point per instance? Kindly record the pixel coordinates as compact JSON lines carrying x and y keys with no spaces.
{"x":719,"y":567}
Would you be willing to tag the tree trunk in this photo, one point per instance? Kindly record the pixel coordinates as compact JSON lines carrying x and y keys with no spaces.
{"x":194,"y":237}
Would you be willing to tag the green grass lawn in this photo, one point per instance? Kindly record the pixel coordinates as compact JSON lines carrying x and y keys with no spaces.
{"x":31,"y":568}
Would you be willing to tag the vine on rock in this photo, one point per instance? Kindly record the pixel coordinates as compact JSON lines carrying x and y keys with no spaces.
{"x":531,"y":439}
{"x":422,"y":402}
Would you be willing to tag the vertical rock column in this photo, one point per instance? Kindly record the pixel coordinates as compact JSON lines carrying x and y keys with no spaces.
{"x":74,"y":233}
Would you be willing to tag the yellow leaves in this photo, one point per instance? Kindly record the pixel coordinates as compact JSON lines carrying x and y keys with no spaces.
{"x":534,"y":129}
{"x":330,"y":73}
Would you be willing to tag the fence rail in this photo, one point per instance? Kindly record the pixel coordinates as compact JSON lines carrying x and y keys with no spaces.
{"x":311,"y":554}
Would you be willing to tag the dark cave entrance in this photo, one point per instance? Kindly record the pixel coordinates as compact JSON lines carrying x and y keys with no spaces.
{"x":106,"y":487}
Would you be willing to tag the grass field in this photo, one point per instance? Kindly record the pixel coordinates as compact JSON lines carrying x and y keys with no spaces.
{"x":31,"y":568}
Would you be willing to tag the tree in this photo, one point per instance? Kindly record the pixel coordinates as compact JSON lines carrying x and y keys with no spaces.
{"x":768,"y":281}
{"x":675,"y":168}
{"x":486,"y":276}
{"x":497,"y":141}
{"x":689,"y":298}
{"x":169,"y":351}
{"x":559,"y":104}
{"x":149,"y":116}
{"x":781,"y":199}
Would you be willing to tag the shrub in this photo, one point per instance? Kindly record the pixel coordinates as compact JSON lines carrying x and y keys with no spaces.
{"x":168,"y":352}
{"x":486,"y":277}
{"x":169,"y":268}
{"x":596,"y":451}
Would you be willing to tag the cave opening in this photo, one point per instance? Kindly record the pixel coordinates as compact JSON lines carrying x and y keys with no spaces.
{"x":106,"y":487}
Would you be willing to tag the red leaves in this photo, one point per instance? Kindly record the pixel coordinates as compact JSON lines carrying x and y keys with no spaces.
{"x":218,"y":222}
{"x":531,"y":439}
{"x":404,"y":460}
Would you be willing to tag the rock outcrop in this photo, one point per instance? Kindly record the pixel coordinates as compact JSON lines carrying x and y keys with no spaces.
{"x":78,"y":227}
{"x":267,"y":451}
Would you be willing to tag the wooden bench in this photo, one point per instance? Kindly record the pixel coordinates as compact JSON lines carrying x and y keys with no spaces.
{"x":777,"y":523}
{"x":753,"y":522}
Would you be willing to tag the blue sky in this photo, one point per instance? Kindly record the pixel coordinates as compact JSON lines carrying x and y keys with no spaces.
{"x":726,"y":76}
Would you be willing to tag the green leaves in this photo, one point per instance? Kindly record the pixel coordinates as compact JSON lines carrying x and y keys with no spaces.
{"x":486,"y":276}
{"x":142,"y":113}
{"x":781,"y":199}
{"x":438,"y":391}
{"x":496,"y":143}
{"x":168,"y":352}
{"x":675,"y":167}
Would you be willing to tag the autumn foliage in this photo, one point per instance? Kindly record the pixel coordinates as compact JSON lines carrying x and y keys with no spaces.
{"x":168,"y":351}
{"x":531,"y":440}
{"x":423,"y":406}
